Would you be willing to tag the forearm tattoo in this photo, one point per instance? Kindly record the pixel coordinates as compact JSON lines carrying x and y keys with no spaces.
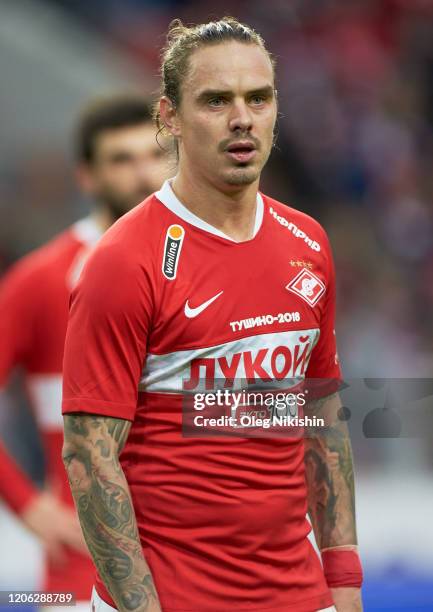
{"x":103,"y":500}
{"x":330,"y":479}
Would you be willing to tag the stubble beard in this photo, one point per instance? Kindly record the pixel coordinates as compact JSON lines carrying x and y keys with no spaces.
{"x":242,"y":176}
{"x":118,"y":206}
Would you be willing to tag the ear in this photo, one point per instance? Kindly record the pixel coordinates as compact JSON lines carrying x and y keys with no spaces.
{"x":169,"y":116}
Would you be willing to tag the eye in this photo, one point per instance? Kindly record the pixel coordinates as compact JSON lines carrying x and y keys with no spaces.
{"x":217,"y":101}
{"x":257,"y":100}
{"x":121,"y":158}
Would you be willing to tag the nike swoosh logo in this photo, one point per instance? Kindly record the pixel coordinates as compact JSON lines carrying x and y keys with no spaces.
{"x":193,"y":312}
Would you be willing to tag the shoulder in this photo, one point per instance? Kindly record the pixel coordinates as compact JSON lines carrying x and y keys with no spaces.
{"x":298,"y":223}
{"x":42,"y":264}
{"x":134,"y":237}
{"x":121,"y":267}
{"x":141,"y":224}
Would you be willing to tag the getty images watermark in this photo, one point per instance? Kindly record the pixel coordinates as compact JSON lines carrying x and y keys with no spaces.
{"x":372,"y":407}
{"x":245,"y":412}
{"x":253,"y":409}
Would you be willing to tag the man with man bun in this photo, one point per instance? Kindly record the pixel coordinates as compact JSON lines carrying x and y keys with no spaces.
{"x":209,"y":523}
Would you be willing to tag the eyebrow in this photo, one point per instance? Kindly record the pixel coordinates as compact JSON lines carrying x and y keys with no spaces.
{"x":267,"y":91}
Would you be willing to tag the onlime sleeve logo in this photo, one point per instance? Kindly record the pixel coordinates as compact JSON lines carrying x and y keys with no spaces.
{"x":172,"y":248}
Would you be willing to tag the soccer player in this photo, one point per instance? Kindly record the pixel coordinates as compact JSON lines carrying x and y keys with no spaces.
{"x":206,"y":280}
{"x":119,"y":163}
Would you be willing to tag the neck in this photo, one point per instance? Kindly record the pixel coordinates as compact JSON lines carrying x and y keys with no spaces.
{"x":233,"y":212}
{"x":102,"y":218}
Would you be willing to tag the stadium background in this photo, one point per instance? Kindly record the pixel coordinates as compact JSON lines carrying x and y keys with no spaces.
{"x":355,"y":150}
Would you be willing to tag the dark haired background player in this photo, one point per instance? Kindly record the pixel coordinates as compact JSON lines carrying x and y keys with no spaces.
{"x":118,"y":164}
{"x":212,"y":523}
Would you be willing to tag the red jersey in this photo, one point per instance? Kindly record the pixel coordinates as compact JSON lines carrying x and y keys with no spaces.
{"x":34,"y":298}
{"x":163,"y":298}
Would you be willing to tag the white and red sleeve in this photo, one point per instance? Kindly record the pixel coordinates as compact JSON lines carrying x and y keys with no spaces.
{"x":106,"y":339}
{"x":16,"y":320}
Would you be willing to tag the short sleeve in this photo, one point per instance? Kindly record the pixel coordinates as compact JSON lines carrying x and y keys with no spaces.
{"x":16,"y":320}
{"x":110,"y":313}
{"x":324,"y":363}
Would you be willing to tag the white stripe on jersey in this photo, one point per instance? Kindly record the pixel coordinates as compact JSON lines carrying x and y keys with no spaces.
{"x":45,"y":391}
{"x":87,"y":231}
{"x":167,"y":373}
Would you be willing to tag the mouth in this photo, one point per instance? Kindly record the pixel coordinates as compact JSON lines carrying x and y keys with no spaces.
{"x":241,"y":151}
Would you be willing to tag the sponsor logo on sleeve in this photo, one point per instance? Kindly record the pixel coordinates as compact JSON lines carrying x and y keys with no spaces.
{"x":308,"y":286}
{"x":173,"y":245}
{"x":296,"y":231}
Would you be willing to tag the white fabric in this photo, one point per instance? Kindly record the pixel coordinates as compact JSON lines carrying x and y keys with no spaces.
{"x":87,"y":231}
{"x":45,"y":391}
{"x":167,"y":196}
{"x":167,"y":373}
{"x":80,"y":606}
{"x":99,"y":605}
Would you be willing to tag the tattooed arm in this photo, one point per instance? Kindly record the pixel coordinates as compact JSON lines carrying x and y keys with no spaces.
{"x":331,"y":490}
{"x":91,"y":456}
{"x":329,"y":475}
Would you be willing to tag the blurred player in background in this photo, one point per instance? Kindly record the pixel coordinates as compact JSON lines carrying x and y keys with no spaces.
{"x":209,"y":523}
{"x":119,"y":164}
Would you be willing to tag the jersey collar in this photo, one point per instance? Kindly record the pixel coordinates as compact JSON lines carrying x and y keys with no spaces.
{"x":167,"y":196}
{"x":87,"y":231}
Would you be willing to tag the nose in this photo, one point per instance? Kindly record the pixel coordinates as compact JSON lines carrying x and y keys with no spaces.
{"x":240,"y":118}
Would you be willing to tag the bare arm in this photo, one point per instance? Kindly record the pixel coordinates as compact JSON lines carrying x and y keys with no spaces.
{"x":91,"y":456}
{"x":329,"y":476}
{"x":331,"y":489}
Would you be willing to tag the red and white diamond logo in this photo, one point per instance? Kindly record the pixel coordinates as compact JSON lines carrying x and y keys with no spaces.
{"x":307,"y":286}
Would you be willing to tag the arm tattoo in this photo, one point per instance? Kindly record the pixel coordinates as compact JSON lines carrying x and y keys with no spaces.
{"x":103,"y":500}
{"x":330,"y":478}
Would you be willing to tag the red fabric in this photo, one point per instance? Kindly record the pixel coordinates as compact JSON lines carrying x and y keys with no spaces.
{"x":342,"y":568}
{"x":15,"y":488}
{"x":34,"y":298}
{"x":221,"y":520}
{"x":34,"y":301}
